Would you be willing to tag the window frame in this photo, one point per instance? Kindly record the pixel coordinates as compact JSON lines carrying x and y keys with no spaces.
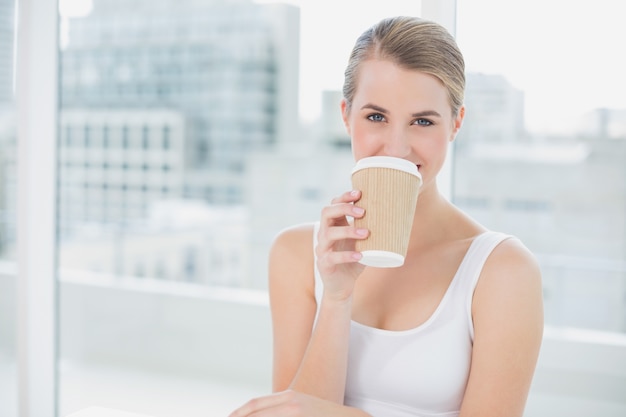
{"x":36,"y":92}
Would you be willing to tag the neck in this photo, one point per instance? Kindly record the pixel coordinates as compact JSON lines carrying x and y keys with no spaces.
{"x":433,"y":214}
{"x":437,"y":220}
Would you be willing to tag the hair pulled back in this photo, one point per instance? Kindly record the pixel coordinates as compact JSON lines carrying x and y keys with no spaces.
{"x":414,"y":44}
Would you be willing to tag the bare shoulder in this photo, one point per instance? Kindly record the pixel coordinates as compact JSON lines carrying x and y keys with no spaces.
{"x":291,"y":257}
{"x":294,"y":242}
{"x":510,"y":283}
{"x":511,"y":262}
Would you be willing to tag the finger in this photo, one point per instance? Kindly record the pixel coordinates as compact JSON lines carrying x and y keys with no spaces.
{"x":347,"y":197}
{"x":338,"y":238}
{"x":336,"y":213}
{"x":331,"y":259}
{"x":334,"y":234}
{"x":262,"y":403}
{"x":328,"y":238}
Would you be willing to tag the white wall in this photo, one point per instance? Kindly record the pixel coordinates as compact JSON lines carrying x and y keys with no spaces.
{"x":218,"y":334}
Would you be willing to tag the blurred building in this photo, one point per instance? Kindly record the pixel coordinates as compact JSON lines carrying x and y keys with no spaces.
{"x":6,"y":52}
{"x":494,"y":110}
{"x":179,"y":240}
{"x":604,"y":123}
{"x":333,"y":129}
{"x":114,"y":164}
{"x":288,"y":188}
{"x":165,"y":103}
{"x":230,"y":68}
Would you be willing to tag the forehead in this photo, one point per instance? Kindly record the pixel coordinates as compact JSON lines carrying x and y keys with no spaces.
{"x":390,"y":85}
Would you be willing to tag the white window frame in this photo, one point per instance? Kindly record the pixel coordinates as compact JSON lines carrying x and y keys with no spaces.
{"x":37,"y":111}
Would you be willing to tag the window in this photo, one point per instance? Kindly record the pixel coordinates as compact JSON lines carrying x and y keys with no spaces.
{"x":105,"y":137}
{"x":545,"y":140}
{"x":166,"y":137}
{"x":145,"y":137}
{"x":147,"y":277}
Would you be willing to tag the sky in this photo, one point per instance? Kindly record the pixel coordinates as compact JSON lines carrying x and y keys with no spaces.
{"x":565,"y":55}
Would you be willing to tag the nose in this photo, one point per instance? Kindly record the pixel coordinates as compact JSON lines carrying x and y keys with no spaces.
{"x":397,"y":145}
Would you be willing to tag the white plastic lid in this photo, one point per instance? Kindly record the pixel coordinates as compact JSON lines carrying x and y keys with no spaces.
{"x":381,"y":259}
{"x":387,"y":162}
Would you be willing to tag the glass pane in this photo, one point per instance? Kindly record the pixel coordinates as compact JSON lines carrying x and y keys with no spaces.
{"x":190,"y":134}
{"x":8,"y":294}
{"x":542,"y":150}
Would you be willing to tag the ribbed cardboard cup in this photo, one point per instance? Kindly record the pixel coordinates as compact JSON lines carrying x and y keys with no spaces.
{"x":389,"y":188}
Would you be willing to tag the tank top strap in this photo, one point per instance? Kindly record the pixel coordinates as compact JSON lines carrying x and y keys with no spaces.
{"x":472,"y":265}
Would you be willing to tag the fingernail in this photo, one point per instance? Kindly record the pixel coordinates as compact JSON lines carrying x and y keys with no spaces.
{"x":361,"y":232}
{"x":357,"y":256}
{"x":354,"y":193}
{"x":358,"y":210}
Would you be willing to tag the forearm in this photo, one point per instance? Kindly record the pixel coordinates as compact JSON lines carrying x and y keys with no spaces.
{"x":322,"y":372}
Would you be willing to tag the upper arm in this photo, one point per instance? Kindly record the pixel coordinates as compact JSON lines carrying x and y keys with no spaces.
{"x":507,"y":311}
{"x":292,"y":300}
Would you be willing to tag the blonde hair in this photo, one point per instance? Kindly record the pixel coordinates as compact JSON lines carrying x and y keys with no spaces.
{"x":411,"y":43}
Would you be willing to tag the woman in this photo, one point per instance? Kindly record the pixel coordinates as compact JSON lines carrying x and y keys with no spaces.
{"x":456,"y":330}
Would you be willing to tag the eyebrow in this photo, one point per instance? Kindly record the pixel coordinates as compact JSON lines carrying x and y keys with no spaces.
{"x":426,"y":113}
{"x":374,"y":107}
{"x":418,"y":114}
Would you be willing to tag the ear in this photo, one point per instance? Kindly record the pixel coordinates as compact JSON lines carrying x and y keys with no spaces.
{"x":458,"y":122}
{"x":344,"y":115}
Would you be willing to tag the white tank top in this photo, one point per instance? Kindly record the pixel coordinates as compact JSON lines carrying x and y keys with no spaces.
{"x":422,"y":371}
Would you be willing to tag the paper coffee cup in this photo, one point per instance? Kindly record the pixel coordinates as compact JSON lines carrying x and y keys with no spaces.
{"x":389,"y":188}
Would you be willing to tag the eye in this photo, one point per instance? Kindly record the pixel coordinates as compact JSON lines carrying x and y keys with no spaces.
{"x":376,"y":117}
{"x":422,"y":122}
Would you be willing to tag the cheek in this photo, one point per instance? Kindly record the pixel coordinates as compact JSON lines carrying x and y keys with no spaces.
{"x":359,"y":132}
{"x":439,"y":148}
{"x":363,"y":140}
{"x":433,"y":149}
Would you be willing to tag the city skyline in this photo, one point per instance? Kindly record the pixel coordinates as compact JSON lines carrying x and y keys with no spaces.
{"x":230,"y":69}
{"x":571,"y":58}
